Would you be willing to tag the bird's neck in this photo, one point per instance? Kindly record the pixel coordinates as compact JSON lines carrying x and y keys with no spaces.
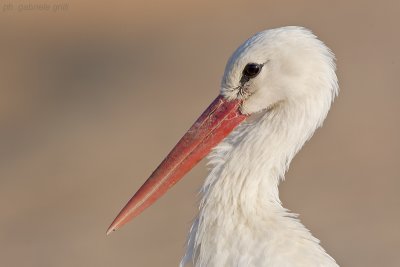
{"x":240,"y":204}
{"x":248,"y":165}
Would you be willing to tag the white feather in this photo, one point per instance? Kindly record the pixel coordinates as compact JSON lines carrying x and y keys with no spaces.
{"x":241,"y":221}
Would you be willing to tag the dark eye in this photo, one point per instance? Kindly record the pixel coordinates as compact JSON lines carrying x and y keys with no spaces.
{"x":252,"y":70}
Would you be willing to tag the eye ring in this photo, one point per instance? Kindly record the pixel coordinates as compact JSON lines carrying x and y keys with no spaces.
{"x":251,"y":70}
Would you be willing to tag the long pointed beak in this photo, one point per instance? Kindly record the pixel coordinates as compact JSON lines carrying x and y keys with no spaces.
{"x":216,"y":122}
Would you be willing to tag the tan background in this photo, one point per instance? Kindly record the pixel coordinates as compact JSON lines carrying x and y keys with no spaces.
{"x":93,"y":97}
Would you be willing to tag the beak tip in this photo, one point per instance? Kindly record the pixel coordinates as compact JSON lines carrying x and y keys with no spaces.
{"x":110,"y":231}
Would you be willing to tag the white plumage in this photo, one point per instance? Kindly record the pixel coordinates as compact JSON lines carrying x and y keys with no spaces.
{"x":277,"y":90}
{"x":241,"y":221}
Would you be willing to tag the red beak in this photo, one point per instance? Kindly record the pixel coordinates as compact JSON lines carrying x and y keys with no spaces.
{"x":216,"y":122}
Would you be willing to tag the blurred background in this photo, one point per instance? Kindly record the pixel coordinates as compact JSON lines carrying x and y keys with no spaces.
{"x":94,"y":95}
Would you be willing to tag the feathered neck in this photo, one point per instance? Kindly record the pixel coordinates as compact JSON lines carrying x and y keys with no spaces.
{"x":241,"y":220}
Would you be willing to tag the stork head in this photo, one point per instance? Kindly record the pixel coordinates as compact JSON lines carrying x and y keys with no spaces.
{"x":285,"y":65}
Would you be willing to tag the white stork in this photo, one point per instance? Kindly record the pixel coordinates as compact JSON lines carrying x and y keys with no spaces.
{"x":276,"y":91}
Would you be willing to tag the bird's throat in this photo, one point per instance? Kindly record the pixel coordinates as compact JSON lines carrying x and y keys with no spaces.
{"x":240,"y":195}
{"x":249,"y":164}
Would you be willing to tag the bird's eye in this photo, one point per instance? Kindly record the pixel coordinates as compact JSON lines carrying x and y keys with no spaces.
{"x":252,"y":70}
